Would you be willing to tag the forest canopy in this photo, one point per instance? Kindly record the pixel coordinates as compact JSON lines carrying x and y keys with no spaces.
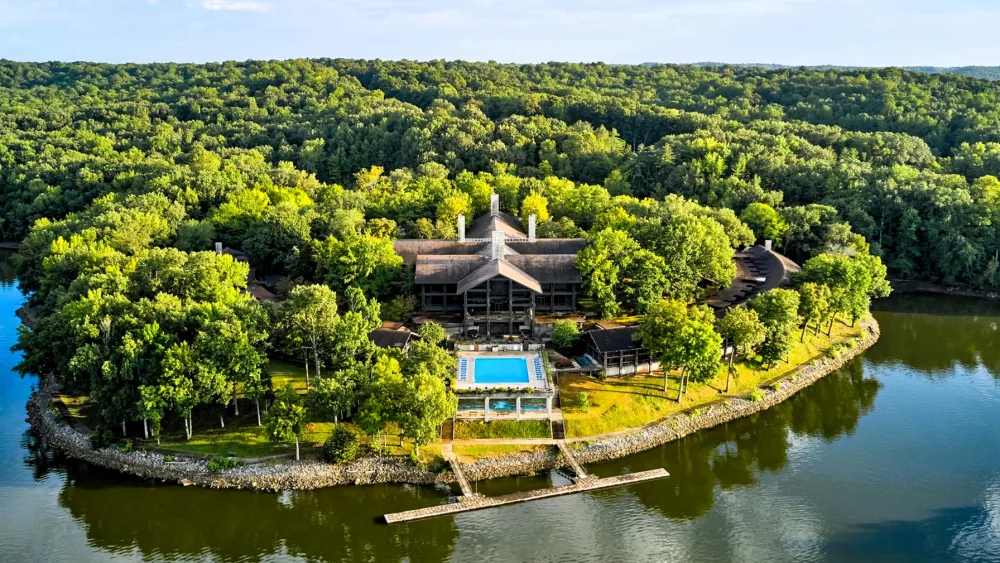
{"x":119,"y":178}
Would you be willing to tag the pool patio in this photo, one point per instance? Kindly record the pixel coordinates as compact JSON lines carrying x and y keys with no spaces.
{"x":533,"y":366}
{"x":510,"y":385}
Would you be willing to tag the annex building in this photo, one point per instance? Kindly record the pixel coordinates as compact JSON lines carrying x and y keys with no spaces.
{"x":495,"y":276}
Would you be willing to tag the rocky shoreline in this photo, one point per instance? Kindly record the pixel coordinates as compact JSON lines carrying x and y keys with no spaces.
{"x":187,"y":471}
{"x":371,"y":470}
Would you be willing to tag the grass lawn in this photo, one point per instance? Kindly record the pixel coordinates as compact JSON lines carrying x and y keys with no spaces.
{"x":81,"y":410}
{"x":622,"y":403}
{"x":242,"y":437}
{"x":245,"y":439}
{"x":479,"y":430}
{"x":470,"y":453}
{"x":283,"y":372}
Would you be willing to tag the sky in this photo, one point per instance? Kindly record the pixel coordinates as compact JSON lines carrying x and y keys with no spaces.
{"x":796,"y":32}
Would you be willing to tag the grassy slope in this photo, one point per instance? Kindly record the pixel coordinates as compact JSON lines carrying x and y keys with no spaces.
{"x":477,"y":430}
{"x":622,"y":403}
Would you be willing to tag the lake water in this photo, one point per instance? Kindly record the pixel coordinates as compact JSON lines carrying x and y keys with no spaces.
{"x":894,"y":458}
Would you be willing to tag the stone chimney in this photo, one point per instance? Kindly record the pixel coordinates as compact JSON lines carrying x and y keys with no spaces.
{"x":767,"y":245}
{"x":461,"y":228}
{"x":218,"y":247}
{"x":531,"y":227}
{"x":497,"y":247}
{"x":495,"y":205}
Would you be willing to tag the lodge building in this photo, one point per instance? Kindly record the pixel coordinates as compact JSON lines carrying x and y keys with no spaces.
{"x":496,"y":276}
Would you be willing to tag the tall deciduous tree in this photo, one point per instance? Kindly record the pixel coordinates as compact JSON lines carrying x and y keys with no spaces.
{"x":744,"y":331}
{"x":309,"y":318}
{"x":426,"y":405}
{"x":814,"y":302}
{"x":537,"y":205}
{"x":778,"y":310}
{"x":682,"y":338}
{"x":286,"y":419}
{"x":765,"y":222}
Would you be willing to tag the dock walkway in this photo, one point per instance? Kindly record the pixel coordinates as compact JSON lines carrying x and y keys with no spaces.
{"x":456,"y":468}
{"x":467,"y":504}
{"x":571,"y":460}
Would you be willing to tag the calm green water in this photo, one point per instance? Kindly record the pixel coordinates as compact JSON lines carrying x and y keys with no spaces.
{"x":894,"y":458}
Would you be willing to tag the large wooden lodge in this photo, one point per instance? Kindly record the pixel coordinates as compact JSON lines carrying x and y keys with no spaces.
{"x":495,"y":275}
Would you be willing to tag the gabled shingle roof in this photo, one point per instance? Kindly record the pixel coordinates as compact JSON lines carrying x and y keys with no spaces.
{"x":410,"y":249}
{"x":484,"y":226}
{"x":548,"y":268}
{"x":385,"y":338}
{"x":496,"y":268}
{"x":615,"y":339}
{"x":445,"y":269}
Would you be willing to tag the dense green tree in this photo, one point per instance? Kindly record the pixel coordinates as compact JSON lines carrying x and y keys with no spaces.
{"x":308,"y":321}
{"x":765,"y":222}
{"x":744,"y":331}
{"x":565,"y":334}
{"x":426,"y":405}
{"x":286,"y":419}
{"x":778,"y":311}
{"x":683,"y":338}
{"x":814,"y":303}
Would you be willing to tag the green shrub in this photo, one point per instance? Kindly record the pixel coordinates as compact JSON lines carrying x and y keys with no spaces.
{"x":565,"y":334}
{"x":341,"y":446}
{"x":582,"y":401}
{"x":436,"y":465}
{"x":102,"y":437}
{"x":756,"y":396}
{"x":220,"y":463}
{"x":128,"y":447}
{"x":168,"y":458}
{"x":776,"y":386}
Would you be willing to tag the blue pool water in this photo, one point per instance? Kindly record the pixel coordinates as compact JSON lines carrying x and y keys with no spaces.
{"x":501,"y":370}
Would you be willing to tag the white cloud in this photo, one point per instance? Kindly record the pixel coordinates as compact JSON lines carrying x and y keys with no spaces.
{"x":236,"y":6}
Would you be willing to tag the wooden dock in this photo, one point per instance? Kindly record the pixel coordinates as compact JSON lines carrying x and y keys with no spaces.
{"x":466,"y":504}
{"x":571,"y":460}
{"x":456,"y":468}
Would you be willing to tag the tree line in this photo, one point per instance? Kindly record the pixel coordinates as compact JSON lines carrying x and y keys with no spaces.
{"x":119,"y":178}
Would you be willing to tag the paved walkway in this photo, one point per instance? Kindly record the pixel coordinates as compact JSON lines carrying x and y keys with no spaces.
{"x":477,"y":503}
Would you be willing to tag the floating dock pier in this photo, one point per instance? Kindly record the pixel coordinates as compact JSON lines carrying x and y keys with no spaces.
{"x":469,"y":503}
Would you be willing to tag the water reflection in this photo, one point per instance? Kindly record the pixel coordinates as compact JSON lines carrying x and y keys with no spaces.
{"x":7,"y":276}
{"x":122,"y":516}
{"x":934,"y":334}
{"x":930,"y":539}
{"x":38,"y":457}
{"x":735,"y":454}
{"x":917,"y":481}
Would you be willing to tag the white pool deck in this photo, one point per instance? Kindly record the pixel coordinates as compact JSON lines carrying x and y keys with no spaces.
{"x":533,"y":362}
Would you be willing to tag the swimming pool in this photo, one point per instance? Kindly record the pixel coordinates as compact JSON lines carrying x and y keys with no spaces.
{"x":501,"y":370}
